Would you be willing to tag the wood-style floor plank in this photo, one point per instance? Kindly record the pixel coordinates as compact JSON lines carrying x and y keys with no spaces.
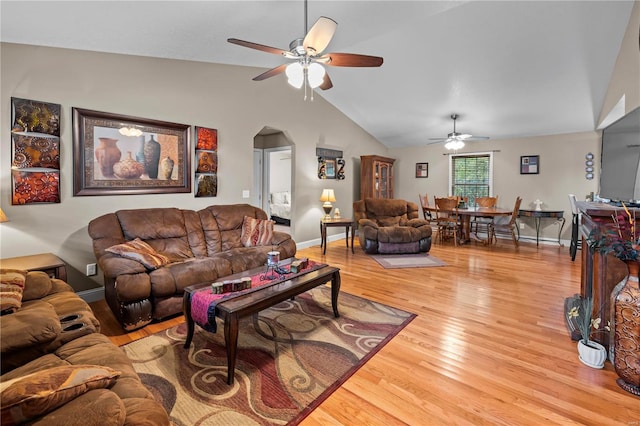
{"x":488,"y":346}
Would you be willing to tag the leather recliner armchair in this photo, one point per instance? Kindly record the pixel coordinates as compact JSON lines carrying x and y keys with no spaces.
{"x":391,"y":226}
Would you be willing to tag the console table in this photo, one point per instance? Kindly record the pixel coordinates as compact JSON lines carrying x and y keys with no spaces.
{"x":347,"y":223}
{"x":45,"y":262}
{"x":539,"y":214}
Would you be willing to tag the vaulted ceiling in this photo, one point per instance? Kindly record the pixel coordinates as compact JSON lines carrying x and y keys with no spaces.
{"x":509,"y":69}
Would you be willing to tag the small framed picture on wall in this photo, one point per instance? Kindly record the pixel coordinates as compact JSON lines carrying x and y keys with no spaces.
{"x":422,"y":170}
{"x":529,"y":164}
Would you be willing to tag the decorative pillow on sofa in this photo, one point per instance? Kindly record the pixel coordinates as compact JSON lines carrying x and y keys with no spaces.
{"x":36,"y":394}
{"x":141,"y":252}
{"x":256,"y":232}
{"x":11,"y":288}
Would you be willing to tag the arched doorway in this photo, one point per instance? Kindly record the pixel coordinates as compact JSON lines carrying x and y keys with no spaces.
{"x":273,"y":172}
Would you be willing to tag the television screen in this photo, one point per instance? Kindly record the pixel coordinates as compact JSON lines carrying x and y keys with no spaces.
{"x":620,"y":159}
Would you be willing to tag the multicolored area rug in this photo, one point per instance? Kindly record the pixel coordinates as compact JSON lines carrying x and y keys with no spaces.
{"x":396,"y":261}
{"x":291,"y":357}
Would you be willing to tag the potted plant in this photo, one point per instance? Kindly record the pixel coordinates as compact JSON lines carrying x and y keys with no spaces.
{"x":590,"y":353}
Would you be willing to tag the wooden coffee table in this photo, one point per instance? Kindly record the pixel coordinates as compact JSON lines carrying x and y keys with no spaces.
{"x":232,"y":309}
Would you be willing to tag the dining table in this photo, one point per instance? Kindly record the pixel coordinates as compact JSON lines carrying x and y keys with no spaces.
{"x":467,"y":213}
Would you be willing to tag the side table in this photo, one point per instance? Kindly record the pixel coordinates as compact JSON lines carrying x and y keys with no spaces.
{"x":537,"y":214}
{"x":45,"y":262}
{"x":324,"y":224}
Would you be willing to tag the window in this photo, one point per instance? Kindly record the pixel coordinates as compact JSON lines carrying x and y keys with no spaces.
{"x":471,"y":175}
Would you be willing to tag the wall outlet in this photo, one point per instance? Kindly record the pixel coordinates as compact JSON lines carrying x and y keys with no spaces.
{"x":92,"y":269}
{"x":522,"y":226}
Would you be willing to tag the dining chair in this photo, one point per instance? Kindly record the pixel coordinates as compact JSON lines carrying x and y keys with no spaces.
{"x":576,"y":243}
{"x":448,"y":219}
{"x":481,"y":223}
{"x":424,"y":203}
{"x":506,"y":228}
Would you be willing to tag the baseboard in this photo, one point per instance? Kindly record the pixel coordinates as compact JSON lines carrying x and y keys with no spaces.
{"x":317,"y":241}
{"x":92,"y":295}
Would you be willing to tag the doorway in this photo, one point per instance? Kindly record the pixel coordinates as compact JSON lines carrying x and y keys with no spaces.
{"x":272,"y":185}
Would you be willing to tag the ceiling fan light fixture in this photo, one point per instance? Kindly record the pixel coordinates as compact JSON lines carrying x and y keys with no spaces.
{"x":454,"y":145}
{"x":295,"y":74}
{"x":315,"y":74}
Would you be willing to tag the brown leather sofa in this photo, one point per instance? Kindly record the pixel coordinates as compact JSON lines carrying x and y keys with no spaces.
{"x":202,"y":246}
{"x":58,"y":370}
{"x":391,"y":226}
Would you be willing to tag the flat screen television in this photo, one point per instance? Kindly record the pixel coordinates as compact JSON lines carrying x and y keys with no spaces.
{"x":620,"y":159}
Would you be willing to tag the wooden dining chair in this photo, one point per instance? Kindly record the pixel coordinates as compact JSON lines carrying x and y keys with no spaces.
{"x":506,"y":228}
{"x":481,"y":223}
{"x":448,"y":219}
{"x":426,"y":212}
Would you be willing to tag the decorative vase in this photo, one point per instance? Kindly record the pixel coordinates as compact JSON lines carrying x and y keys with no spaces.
{"x":166,"y":168}
{"x":140,"y":153}
{"x":626,"y":341}
{"x":592,"y":353}
{"x":151,"y":157}
{"x":107,"y":154}
{"x":128,"y":168}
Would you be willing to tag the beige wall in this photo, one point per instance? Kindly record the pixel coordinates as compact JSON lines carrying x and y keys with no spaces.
{"x":199,"y":94}
{"x":562,"y":172}
{"x":625,"y":80}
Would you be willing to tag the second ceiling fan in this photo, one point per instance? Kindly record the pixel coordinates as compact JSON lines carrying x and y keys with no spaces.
{"x":455,"y":140}
{"x":306,"y":53}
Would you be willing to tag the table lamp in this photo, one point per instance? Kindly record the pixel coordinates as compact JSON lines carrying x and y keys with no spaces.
{"x":327,"y":197}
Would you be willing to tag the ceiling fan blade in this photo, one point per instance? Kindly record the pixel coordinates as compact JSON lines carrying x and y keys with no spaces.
{"x":270,"y":73}
{"x":351,"y":60}
{"x":438,"y":139}
{"x":463,"y":136}
{"x":478,"y":138}
{"x":257,"y":46}
{"x":326,"y":82}
{"x":319,"y":36}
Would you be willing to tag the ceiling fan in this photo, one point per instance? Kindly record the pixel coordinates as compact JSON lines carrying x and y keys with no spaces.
{"x":455,"y":140}
{"x":306,"y":53}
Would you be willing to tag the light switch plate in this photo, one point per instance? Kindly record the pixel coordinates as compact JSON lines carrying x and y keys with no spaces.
{"x":245,"y":193}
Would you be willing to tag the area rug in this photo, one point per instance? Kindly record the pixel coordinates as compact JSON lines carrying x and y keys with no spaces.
{"x":396,"y":261}
{"x":291,"y":357}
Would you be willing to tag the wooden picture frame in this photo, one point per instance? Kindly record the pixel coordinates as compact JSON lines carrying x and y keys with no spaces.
{"x":422,"y":170}
{"x":122,"y":155}
{"x":529,"y":164}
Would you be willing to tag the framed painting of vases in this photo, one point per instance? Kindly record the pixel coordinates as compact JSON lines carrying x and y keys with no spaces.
{"x":120,"y":155}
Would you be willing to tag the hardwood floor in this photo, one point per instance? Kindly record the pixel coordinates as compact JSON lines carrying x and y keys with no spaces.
{"x":489,"y":344}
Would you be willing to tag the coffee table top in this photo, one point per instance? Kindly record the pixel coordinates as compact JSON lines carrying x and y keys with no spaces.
{"x":283,"y":284}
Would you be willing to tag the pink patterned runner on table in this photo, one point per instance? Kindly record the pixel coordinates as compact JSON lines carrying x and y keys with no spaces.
{"x":204,"y":301}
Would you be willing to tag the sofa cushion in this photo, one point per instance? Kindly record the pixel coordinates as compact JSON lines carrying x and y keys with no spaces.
{"x":11,"y":288}
{"x":36,"y":394}
{"x":256,"y":232}
{"x":141,"y":252}
{"x":36,"y":286}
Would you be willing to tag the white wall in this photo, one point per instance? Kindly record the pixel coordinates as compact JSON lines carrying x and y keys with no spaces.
{"x":562,"y":172}
{"x":199,"y":94}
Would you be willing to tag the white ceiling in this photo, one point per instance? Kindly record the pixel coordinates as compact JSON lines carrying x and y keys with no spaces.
{"x":509,"y":69}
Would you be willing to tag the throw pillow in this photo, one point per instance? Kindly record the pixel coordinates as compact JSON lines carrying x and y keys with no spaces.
{"x":11,"y":288}
{"x":141,"y":252}
{"x":256,"y":232}
{"x":34,"y":395}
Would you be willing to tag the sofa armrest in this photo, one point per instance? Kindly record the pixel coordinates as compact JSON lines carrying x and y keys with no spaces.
{"x":35,"y":323}
{"x":280,"y":237}
{"x":417,"y":223}
{"x":367,"y":222}
{"x":113,"y":266}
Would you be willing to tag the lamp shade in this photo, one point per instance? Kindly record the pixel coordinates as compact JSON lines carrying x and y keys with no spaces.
{"x":295,"y":74}
{"x":328,"y":196}
{"x":3,"y":217}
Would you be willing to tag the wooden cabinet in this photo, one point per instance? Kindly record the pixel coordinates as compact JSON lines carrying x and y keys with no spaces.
{"x":376,"y":176}
{"x":600,"y":273}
